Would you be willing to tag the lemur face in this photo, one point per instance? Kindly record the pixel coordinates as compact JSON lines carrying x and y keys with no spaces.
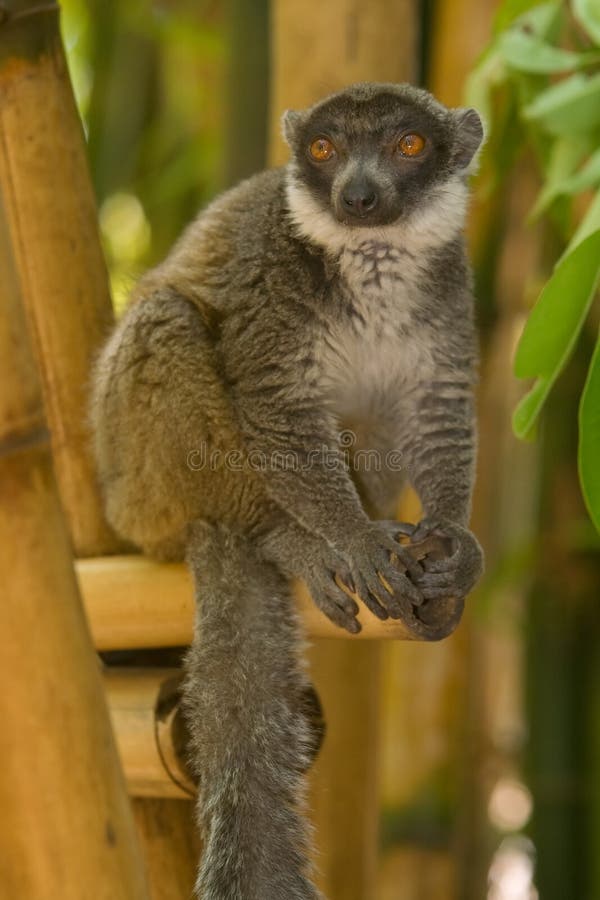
{"x":374,"y":153}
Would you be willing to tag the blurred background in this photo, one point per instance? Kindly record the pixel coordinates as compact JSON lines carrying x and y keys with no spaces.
{"x":489,"y":773}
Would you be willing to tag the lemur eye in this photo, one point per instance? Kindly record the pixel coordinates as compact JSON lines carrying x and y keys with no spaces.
{"x":411,"y":144}
{"x":322,"y":149}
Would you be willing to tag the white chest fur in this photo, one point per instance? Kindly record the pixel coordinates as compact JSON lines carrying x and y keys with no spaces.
{"x":369,"y":358}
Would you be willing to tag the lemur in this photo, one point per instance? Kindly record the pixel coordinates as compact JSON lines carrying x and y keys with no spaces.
{"x":332,"y":295}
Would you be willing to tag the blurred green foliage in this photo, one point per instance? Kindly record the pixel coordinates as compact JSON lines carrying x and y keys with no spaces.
{"x":149,"y":79}
{"x":545,"y":60}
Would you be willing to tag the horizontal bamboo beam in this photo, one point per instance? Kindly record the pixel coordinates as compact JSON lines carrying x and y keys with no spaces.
{"x":150,"y":731}
{"x":134,"y":602}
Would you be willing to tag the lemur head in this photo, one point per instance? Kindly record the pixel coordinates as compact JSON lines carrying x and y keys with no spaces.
{"x":380,"y":156}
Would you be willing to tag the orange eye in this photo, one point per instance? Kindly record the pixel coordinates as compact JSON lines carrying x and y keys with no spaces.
{"x":411,"y":144}
{"x":322,"y":149}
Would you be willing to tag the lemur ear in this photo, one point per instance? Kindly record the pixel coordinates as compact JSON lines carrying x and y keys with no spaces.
{"x":469,"y":136}
{"x":290,"y":122}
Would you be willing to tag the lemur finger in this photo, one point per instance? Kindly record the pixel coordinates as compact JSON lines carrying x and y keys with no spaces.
{"x":350,"y":606}
{"x":345,"y":577}
{"x":445,"y":564}
{"x":407,"y":560}
{"x":373,"y":603}
{"x":341,"y":598}
{"x":401,"y":551}
{"x":397,"y":583}
{"x":361,"y":584}
{"x":433,"y":586}
{"x":422,"y":531}
{"x":399,"y":528}
{"x":395,"y":608}
{"x":391,"y":549}
{"x":368,"y":587}
{"x":339,"y":615}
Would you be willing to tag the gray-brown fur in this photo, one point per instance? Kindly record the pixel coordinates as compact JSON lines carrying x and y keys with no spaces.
{"x":275,"y":323}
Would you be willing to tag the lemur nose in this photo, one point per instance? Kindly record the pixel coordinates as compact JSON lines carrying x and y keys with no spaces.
{"x":359,"y":200}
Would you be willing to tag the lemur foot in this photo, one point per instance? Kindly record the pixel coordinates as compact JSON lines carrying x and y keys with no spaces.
{"x":454,"y":574}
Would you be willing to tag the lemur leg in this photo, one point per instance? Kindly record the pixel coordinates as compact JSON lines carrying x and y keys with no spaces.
{"x":162,"y":424}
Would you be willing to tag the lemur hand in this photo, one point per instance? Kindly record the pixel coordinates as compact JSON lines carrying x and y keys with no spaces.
{"x":453,"y":575}
{"x":322,"y":577}
{"x":386,"y":588}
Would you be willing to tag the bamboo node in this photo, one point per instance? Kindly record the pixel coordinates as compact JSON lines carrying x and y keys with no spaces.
{"x":19,"y":442}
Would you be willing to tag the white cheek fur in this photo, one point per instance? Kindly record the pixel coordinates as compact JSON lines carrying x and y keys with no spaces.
{"x":440,"y":221}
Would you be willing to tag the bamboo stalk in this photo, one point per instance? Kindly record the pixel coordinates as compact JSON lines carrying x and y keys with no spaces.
{"x":52,"y":217}
{"x":339,"y":43}
{"x":65,"y":820}
{"x":134,"y":602}
{"x":172,"y":845}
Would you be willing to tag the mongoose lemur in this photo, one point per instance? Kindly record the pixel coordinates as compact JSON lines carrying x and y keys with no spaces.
{"x":328,"y":297}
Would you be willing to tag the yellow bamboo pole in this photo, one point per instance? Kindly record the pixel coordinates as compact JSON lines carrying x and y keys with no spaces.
{"x":335,"y":44}
{"x":312,"y":54}
{"x":52,"y":217}
{"x":66,"y":828}
{"x":135,"y":602}
{"x":172,"y":846}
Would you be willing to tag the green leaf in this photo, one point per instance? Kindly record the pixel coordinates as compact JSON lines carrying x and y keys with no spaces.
{"x":537,"y":17}
{"x":587,"y":177}
{"x":553,"y":326}
{"x":526,"y":53}
{"x":587,"y":226}
{"x":589,"y":439}
{"x":587,"y":13}
{"x":487,"y":75}
{"x":565,"y":156}
{"x":559,"y":311}
{"x":571,"y":106}
{"x":528,"y":409}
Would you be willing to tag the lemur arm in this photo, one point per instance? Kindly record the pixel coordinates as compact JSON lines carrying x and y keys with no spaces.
{"x":440,"y":451}
{"x":440,"y":455}
{"x":289,"y":433}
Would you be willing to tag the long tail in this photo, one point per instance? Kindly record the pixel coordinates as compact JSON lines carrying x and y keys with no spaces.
{"x":245,"y":690}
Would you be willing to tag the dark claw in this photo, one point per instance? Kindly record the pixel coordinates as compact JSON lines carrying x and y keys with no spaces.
{"x":353,"y":626}
{"x":346,"y":578}
{"x":338,"y":615}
